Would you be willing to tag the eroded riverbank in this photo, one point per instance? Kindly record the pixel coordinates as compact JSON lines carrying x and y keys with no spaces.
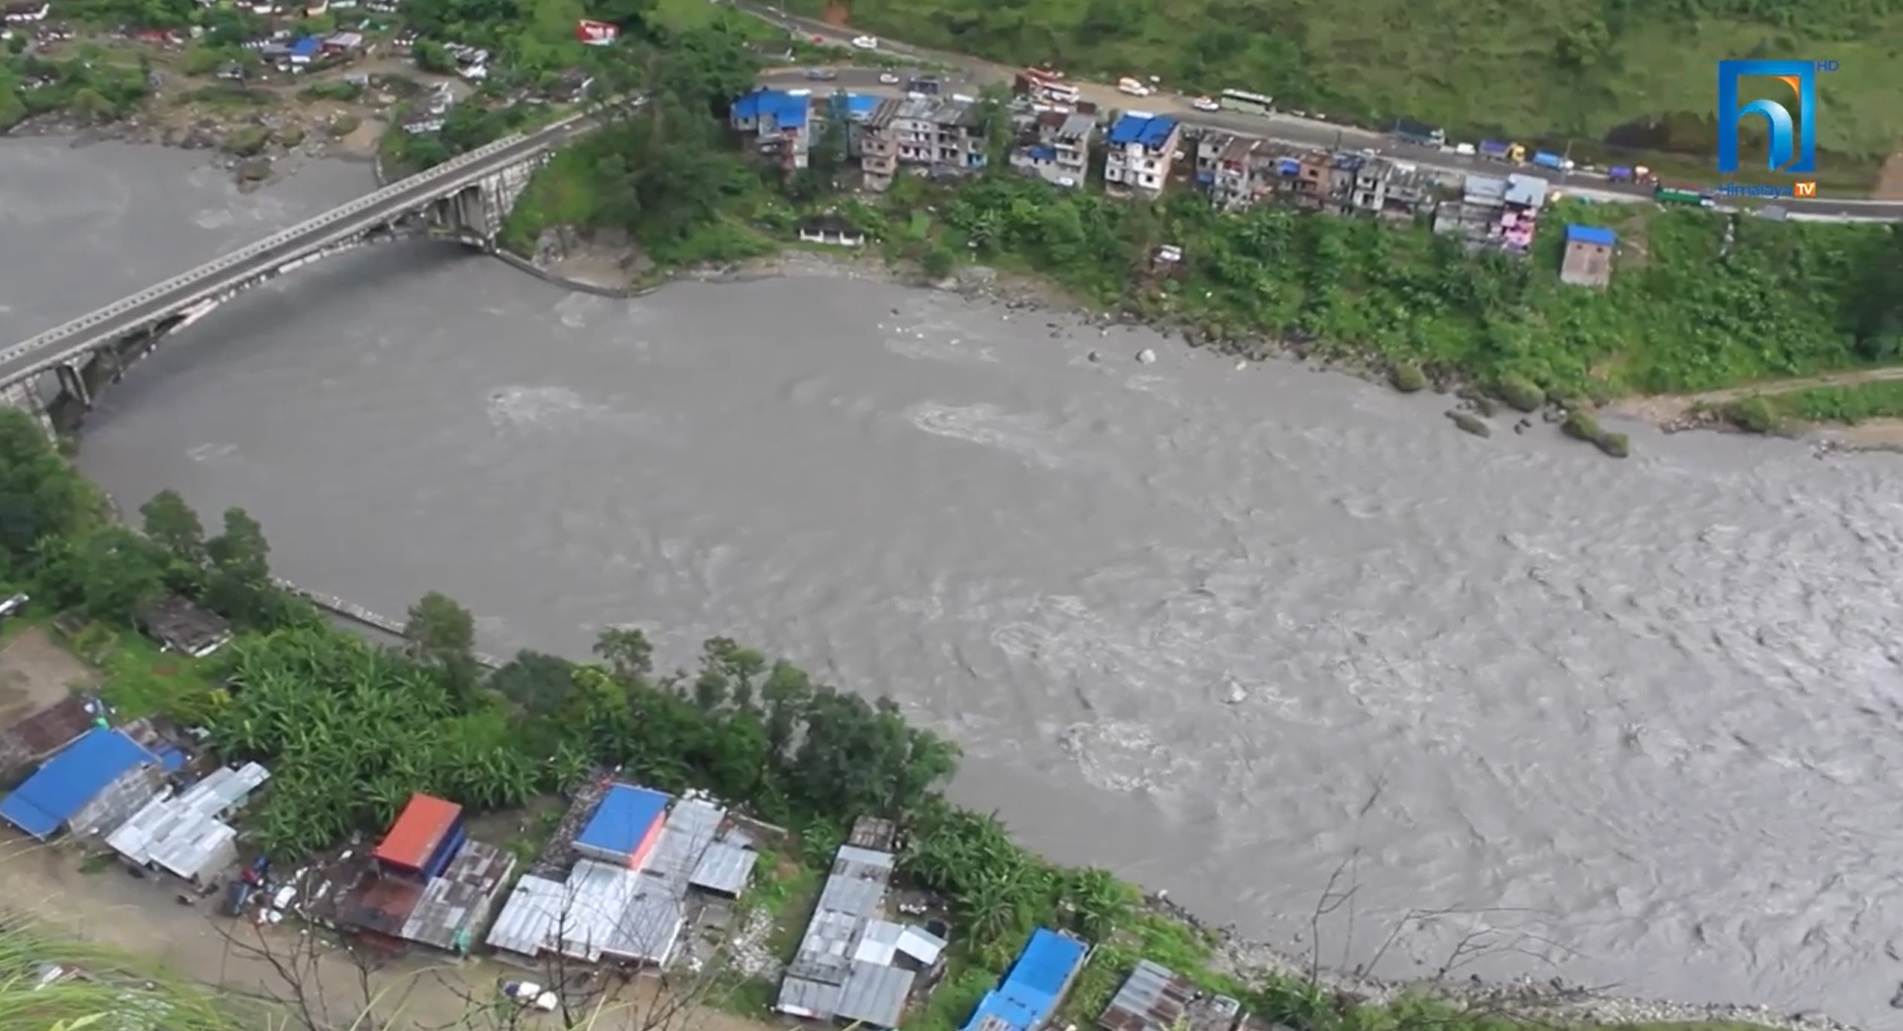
{"x":1634,"y":718}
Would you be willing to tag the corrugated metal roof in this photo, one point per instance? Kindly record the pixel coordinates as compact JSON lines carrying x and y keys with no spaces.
{"x":1153,"y":998}
{"x":59,"y":790}
{"x":878,"y":943}
{"x":724,"y":868}
{"x":185,"y":834}
{"x":456,"y":901}
{"x":921,"y":945}
{"x":690,"y":828}
{"x":851,"y":896}
{"x":807,"y":998}
{"x":417,"y":831}
{"x":606,"y":912}
{"x":622,"y":820}
{"x":529,"y":917}
{"x":875,"y":994}
{"x":1525,"y":190}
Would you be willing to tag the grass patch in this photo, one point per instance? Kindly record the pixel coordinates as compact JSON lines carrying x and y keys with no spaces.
{"x":140,"y":680}
{"x":786,"y":894}
{"x":1849,"y":404}
{"x":230,"y":98}
{"x":684,"y":15}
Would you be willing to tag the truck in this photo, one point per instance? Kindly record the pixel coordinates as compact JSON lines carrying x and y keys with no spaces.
{"x":1494,"y":149}
{"x":1407,"y":130}
{"x":1684,"y":196}
{"x":1621,"y":174}
{"x":1548,"y":159}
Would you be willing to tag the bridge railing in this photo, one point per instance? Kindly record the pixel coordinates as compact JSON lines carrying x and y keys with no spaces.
{"x":447,"y":170}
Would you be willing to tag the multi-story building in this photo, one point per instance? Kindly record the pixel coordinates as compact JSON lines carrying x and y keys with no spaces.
{"x":1389,"y":189}
{"x":1056,"y":148}
{"x":945,"y":137}
{"x":1142,"y":147}
{"x":779,"y":120}
{"x":1238,"y":171}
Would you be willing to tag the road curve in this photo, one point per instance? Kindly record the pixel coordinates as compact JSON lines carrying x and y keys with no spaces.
{"x":1306,"y":132}
{"x":68,"y":341}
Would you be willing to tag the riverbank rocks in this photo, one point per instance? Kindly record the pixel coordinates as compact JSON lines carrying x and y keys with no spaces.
{"x":1470,"y":423}
{"x":1520,"y":393}
{"x":1407,"y":378}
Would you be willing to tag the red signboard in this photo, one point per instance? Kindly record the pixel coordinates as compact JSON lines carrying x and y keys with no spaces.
{"x":596,"y":33}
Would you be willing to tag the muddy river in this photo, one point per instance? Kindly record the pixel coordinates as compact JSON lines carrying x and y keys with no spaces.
{"x":1636,"y":723}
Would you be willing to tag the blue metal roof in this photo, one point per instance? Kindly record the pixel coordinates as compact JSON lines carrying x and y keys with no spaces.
{"x":1152,"y":131}
{"x":785,"y":110}
{"x":1591,"y":234}
{"x":622,"y":819}
{"x":858,"y":106}
{"x":1030,"y":993}
{"x":69,"y":780}
{"x":306,"y":47}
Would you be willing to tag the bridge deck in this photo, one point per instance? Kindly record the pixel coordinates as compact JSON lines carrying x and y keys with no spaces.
{"x":88,"y":332}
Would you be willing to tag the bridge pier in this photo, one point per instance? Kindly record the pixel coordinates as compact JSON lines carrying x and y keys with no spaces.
{"x":72,"y":382}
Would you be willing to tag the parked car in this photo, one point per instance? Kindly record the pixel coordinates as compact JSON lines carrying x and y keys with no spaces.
{"x":821,"y":74}
{"x":888,"y":79}
{"x":1465,"y":150}
{"x":866,"y":42}
{"x":1132,"y":87}
{"x":1205,"y":104}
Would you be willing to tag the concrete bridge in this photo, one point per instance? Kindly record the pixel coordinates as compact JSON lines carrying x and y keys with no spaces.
{"x":465,"y":199}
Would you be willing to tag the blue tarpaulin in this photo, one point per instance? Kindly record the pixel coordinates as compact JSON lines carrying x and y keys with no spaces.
{"x":1030,"y":993}
{"x":69,"y":780}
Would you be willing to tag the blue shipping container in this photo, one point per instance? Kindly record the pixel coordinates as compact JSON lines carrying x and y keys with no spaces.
{"x":1546,"y":160}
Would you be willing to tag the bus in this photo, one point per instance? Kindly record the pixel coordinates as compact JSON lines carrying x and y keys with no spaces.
{"x":1683,"y":195}
{"x":1247,"y":103}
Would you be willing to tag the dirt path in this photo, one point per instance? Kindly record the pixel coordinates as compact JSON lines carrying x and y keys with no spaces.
{"x":36,"y":672}
{"x":1666,"y":408}
{"x":237,"y":956}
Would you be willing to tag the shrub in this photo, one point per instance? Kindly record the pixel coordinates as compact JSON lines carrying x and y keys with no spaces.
{"x":343,"y":125}
{"x":1519,"y":392}
{"x":1407,"y":378}
{"x":291,"y":136}
{"x":1581,"y":425}
{"x":938,"y":262}
{"x":248,"y":141}
{"x":1614,"y":444}
{"x":1752,"y":414}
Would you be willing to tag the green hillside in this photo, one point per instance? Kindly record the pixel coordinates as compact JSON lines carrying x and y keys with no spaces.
{"x":1534,"y":69}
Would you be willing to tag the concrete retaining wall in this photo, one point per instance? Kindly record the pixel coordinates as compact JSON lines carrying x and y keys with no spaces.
{"x":358,"y":614}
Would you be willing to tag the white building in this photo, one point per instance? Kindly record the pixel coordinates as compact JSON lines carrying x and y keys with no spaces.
{"x":1141,"y":148}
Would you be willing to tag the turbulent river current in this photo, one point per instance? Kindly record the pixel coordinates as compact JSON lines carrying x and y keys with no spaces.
{"x":1637,"y":723}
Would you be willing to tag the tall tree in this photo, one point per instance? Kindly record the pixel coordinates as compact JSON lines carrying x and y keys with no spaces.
{"x":626,"y":650}
{"x":440,"y":629}
{"x":173,"y":525}
{"x":241,"y":551}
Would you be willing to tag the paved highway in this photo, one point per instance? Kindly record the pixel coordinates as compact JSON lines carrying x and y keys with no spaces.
{"x":122,"y":317}
{"x":1284,"y":128}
